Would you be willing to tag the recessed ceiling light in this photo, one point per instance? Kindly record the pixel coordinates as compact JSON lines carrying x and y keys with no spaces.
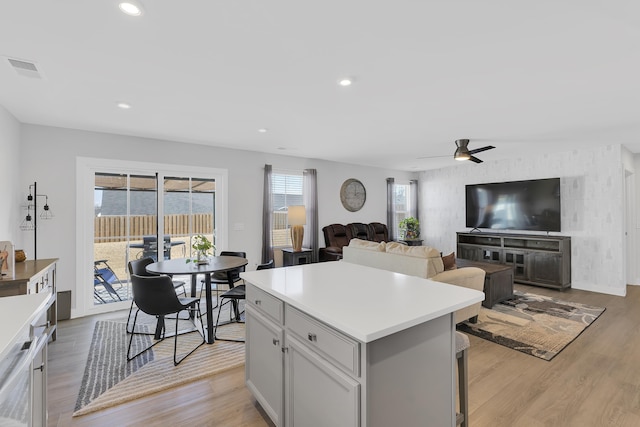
{"x":281,"y":148}
{"x":263,"y":130}
{"x":346,"y":81}
{"x":132,"y":8}
{"x":124,"y":105}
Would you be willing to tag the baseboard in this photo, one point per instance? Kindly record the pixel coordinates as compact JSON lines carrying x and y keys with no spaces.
{"x":621,"y":292}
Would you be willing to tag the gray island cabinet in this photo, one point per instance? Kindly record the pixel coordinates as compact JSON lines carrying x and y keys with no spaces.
{"x":340,"y":344}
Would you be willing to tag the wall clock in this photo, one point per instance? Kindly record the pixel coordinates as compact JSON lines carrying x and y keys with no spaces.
{"x":352,"y":195}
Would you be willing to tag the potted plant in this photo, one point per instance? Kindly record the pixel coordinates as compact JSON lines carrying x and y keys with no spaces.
{"x":203,"y":248}
{"x":410,"y":228}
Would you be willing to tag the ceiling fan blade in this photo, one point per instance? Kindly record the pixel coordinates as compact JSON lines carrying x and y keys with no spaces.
{"x":475,"y":159}
{"x":432,"y":157}
{"x":481,"y":149}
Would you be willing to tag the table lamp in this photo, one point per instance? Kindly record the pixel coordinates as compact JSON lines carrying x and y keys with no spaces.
{"x":297,"y":217}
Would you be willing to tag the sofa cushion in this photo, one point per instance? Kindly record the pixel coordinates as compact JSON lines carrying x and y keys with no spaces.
{"x":431,"y":255}
{"x":449,"y":261}
{"x":365,"y":244}
{"x":413,"y":251}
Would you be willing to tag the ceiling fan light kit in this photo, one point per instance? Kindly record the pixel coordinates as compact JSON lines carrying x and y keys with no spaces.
{"x":462,"y":152}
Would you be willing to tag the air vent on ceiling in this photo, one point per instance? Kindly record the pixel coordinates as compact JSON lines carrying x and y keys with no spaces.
{"x":25,"y":68}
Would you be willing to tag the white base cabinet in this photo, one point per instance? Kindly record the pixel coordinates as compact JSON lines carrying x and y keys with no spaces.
{"x":306,"y":373}
{"x":264,"y":370}
{"x":317,"y":393}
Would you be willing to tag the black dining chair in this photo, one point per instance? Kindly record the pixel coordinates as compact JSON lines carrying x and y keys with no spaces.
{"x":155,"y":296}
{"x":139,"y":268}
{"x":220,"y":277}
{"x":233,"y":296}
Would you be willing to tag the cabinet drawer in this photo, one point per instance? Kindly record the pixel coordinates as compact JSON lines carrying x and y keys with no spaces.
{"x":342,"y":350}
{"x":268,"y":304}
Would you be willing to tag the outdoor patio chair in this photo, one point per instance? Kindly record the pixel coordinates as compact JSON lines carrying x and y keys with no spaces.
{"x":105,"y":277}
{"x":150,"y":247}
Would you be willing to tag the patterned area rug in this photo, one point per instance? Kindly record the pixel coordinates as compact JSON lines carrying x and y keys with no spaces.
{"x":110,"y":380}
{"x":533,"y":324}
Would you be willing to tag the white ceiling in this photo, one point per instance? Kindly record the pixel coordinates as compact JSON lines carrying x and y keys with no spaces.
{"x":536,"y":76}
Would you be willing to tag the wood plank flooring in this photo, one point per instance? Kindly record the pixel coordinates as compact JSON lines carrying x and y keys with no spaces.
{"x":595,"y":381}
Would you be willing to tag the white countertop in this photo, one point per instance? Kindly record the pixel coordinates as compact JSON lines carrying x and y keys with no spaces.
{"x":363,"y":302}
{"x":16,"y":313}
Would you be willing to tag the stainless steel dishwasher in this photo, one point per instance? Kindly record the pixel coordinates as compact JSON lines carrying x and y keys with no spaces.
{"x":23,"y":377}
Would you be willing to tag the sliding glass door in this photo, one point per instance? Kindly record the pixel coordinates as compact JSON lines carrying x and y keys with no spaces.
{"x":189,"y":210}
{"x":145,"y":212}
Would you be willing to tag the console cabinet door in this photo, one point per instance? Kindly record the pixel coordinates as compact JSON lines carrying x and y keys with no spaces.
{"x":546,"y":268}
{"x":264,"y":362}
{"x":317,"y":393}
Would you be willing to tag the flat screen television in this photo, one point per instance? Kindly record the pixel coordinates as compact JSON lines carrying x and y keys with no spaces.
{"x":517,"y":205}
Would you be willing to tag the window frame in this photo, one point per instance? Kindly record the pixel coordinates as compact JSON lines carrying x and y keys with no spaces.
{"x":276,"y":242}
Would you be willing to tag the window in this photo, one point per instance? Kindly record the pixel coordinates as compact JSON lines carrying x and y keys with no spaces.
{"x":286,"y":190}
{"x":403,"y":203}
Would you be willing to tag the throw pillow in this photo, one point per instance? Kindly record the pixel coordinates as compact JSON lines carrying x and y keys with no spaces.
{"x":449,"y":261}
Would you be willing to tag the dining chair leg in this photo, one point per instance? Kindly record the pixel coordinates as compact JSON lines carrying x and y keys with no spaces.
{"x":196,"y":307}
{"x":129,"y":357}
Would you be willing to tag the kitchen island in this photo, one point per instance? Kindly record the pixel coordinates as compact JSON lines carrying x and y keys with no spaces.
{"x":340,"y":344}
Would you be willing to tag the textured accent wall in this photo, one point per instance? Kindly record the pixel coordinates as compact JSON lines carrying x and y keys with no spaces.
{"x":592,"y":192}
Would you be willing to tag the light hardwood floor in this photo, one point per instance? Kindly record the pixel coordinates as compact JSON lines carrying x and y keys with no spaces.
{"x":595,"y":381}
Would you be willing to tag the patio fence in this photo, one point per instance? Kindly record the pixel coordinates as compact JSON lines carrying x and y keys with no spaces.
{"x":113,"y":228}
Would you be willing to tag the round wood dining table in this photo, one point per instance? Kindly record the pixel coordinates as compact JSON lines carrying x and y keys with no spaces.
{"x":180,"y":266}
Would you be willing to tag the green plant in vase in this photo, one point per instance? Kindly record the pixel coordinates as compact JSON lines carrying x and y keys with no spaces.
{"x":410,"y":228}
{"x":203,"y":248}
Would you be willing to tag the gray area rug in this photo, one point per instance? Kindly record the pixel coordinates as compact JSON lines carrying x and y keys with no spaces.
{"x":110,"y":380}
{"x":533,"y":324}
{"x":107,"y":363}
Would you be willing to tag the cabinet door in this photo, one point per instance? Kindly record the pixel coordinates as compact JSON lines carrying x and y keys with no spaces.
{"x":517,"y":259}
{"x":264,"y":362}
{"x":317,"y":393}
{"x":471,"y":253}
{"x":546,"y":268}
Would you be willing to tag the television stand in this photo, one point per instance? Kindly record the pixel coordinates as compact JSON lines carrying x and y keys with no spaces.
{"x":536,"y":259}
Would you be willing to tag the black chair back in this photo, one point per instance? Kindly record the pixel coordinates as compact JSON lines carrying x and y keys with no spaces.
{"x":266,"y":265}
{"x":139,"y":266}
{"x":155,"y":295}
{"x":235,"y":273}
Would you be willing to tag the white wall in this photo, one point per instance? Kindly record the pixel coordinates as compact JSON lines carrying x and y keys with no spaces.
{"x":592,"y":192}
{"x":10,"y":194}
{"x":50,"y":159}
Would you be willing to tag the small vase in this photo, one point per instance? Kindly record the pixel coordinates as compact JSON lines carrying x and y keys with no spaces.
{"x":201,"y":258}
{"x":20,"y":255}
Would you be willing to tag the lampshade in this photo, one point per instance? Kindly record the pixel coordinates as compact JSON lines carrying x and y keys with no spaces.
{"x":297,"y":215}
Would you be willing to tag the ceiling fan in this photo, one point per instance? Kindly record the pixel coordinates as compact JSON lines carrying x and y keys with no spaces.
{"x":463,"y":153}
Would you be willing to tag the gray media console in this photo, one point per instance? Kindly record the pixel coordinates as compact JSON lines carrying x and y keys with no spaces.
{"x":536,"y":260}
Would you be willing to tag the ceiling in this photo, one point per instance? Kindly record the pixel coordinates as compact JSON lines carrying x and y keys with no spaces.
{"x":526,"y":77}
